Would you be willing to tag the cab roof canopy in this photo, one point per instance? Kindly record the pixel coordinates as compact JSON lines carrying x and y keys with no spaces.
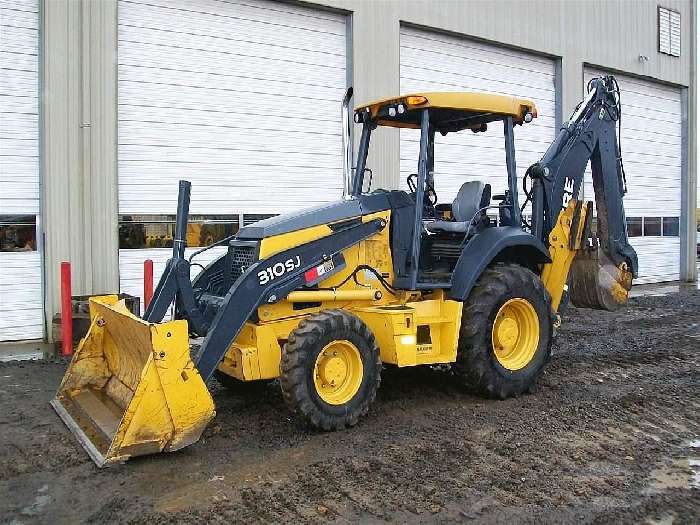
{"x":448,"y":111}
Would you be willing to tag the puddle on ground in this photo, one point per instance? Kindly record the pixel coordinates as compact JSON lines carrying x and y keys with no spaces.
{"x":219,"y":486}
{"x":683,"y":473}
{"x":694,"y":465}
{"x":40,"y":501}
{"x":666,"y":519}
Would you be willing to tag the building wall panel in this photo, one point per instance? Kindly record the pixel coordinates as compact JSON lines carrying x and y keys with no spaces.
{"x":437,"y":62}
{"x":19,"y":108}
{"x":21,"y":294}
{"x":242,"y":99}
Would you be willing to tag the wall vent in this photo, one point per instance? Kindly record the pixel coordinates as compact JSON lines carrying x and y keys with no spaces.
{"x":669,"y":32}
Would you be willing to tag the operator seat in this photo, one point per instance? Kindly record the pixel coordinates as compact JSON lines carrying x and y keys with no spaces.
{"x":472,"y":196}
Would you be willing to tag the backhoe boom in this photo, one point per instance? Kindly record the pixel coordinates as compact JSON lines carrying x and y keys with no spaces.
{"x":589,"y":136}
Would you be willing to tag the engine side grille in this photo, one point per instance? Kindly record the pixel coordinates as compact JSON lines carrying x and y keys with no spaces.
{"x":241,"y":257}
{"x":446,"y":250}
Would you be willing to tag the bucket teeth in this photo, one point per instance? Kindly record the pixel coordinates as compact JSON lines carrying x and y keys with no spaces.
{"x":131,"y":387}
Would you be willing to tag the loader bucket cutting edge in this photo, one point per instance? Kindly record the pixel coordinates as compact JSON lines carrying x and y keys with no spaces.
{"x":598,"y":283}
{"x":131,"y":388}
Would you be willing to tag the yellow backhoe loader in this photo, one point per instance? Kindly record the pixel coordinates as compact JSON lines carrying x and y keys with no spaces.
{"x":323,"y":298}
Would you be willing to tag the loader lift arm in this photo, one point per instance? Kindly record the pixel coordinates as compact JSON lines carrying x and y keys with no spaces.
{"x":248,"y":292}
{"x":589,"y":135}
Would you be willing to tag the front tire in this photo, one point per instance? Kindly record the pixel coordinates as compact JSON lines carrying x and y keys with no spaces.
{"x":506,"y":334}
{"x":330,"y":370}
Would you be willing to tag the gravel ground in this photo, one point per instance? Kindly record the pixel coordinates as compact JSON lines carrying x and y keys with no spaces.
{"x":612,"y":434}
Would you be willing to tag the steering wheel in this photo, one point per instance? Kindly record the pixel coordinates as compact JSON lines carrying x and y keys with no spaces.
{"x":430,"y":194}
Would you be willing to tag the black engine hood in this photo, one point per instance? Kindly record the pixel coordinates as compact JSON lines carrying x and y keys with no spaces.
{"x":316,"y":215}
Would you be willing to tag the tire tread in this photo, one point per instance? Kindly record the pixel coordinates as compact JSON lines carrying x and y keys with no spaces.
{"x":296,"y":357}
{"x":475,"y":363}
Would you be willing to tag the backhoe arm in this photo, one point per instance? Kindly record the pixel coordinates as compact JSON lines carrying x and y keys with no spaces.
{"x":603,"y":269}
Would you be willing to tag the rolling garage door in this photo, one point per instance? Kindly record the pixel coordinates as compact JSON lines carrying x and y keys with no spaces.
{"x":651,"y":152}
{"x":242,"y":98}
{"x":438,"y":62}
{"x":21,"y":310}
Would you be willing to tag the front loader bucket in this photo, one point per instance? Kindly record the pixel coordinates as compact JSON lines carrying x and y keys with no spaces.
{"x":596,"y":282}
{"x":131,"y":387}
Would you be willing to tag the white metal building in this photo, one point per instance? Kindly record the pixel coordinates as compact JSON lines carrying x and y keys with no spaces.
{"x":105,"y":105}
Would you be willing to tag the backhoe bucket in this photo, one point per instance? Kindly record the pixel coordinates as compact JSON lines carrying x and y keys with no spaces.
{"x":131,"y":387}
{"x":596,"y":282}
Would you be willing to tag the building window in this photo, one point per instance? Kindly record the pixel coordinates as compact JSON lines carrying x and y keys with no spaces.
{"x":17,"y":233}
{"x":671,"y":226}
{"x":158,"y":231}
{"x":652,"y":226}
{"x":669,"y":32}
{"x":634,"y":226}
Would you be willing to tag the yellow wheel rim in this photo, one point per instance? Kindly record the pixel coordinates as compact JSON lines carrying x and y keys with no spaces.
{"x":515,"y":334}
{"x":338,"y":372}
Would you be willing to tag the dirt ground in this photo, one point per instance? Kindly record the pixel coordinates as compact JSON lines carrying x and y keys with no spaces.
{"x":612,"y":434}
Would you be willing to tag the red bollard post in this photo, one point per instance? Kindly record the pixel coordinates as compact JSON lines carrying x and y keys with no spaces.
{"x":147,"y":282}
{"x":66,"y":311}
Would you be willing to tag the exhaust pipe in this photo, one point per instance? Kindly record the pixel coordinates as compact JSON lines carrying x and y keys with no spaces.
{"x":181,"y":218}
{"x":347,"y":147}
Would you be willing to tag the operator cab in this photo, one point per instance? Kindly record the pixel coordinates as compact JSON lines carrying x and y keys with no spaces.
{"x":428,"y":236}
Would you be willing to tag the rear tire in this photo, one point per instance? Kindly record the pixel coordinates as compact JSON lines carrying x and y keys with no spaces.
{"x":330,"y":370}
{"x":506,"y":332}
